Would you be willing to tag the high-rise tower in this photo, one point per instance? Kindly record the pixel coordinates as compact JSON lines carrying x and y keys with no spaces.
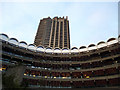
{"x":53,"y":33}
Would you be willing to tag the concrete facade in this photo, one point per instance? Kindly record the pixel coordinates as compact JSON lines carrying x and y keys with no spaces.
{"x":53,"y":33}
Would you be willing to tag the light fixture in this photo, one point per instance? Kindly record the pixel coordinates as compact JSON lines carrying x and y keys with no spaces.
{"x":25,"y":74}
{"x":33,"y":75}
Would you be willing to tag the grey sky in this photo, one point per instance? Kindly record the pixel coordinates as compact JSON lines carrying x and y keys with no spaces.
{"x":90,"y":22}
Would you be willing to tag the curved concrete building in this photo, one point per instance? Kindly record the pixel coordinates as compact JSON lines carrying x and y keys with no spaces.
{"x":85,"y":67}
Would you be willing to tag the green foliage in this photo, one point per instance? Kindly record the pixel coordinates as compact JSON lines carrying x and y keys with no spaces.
{"x":8,"y":81}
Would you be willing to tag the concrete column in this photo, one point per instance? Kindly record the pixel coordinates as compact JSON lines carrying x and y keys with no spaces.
{"x":67,"y":34}
{"x":59,"y":34}
{"x":63,"y":33}
{"x":55,"y":32}
{"x":51,"y":33}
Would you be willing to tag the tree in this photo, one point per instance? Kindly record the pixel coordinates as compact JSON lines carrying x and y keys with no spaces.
{"x":8,"y":82}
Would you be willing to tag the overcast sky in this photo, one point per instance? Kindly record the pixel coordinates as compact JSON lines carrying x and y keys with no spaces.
{"x":90,"y":22}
